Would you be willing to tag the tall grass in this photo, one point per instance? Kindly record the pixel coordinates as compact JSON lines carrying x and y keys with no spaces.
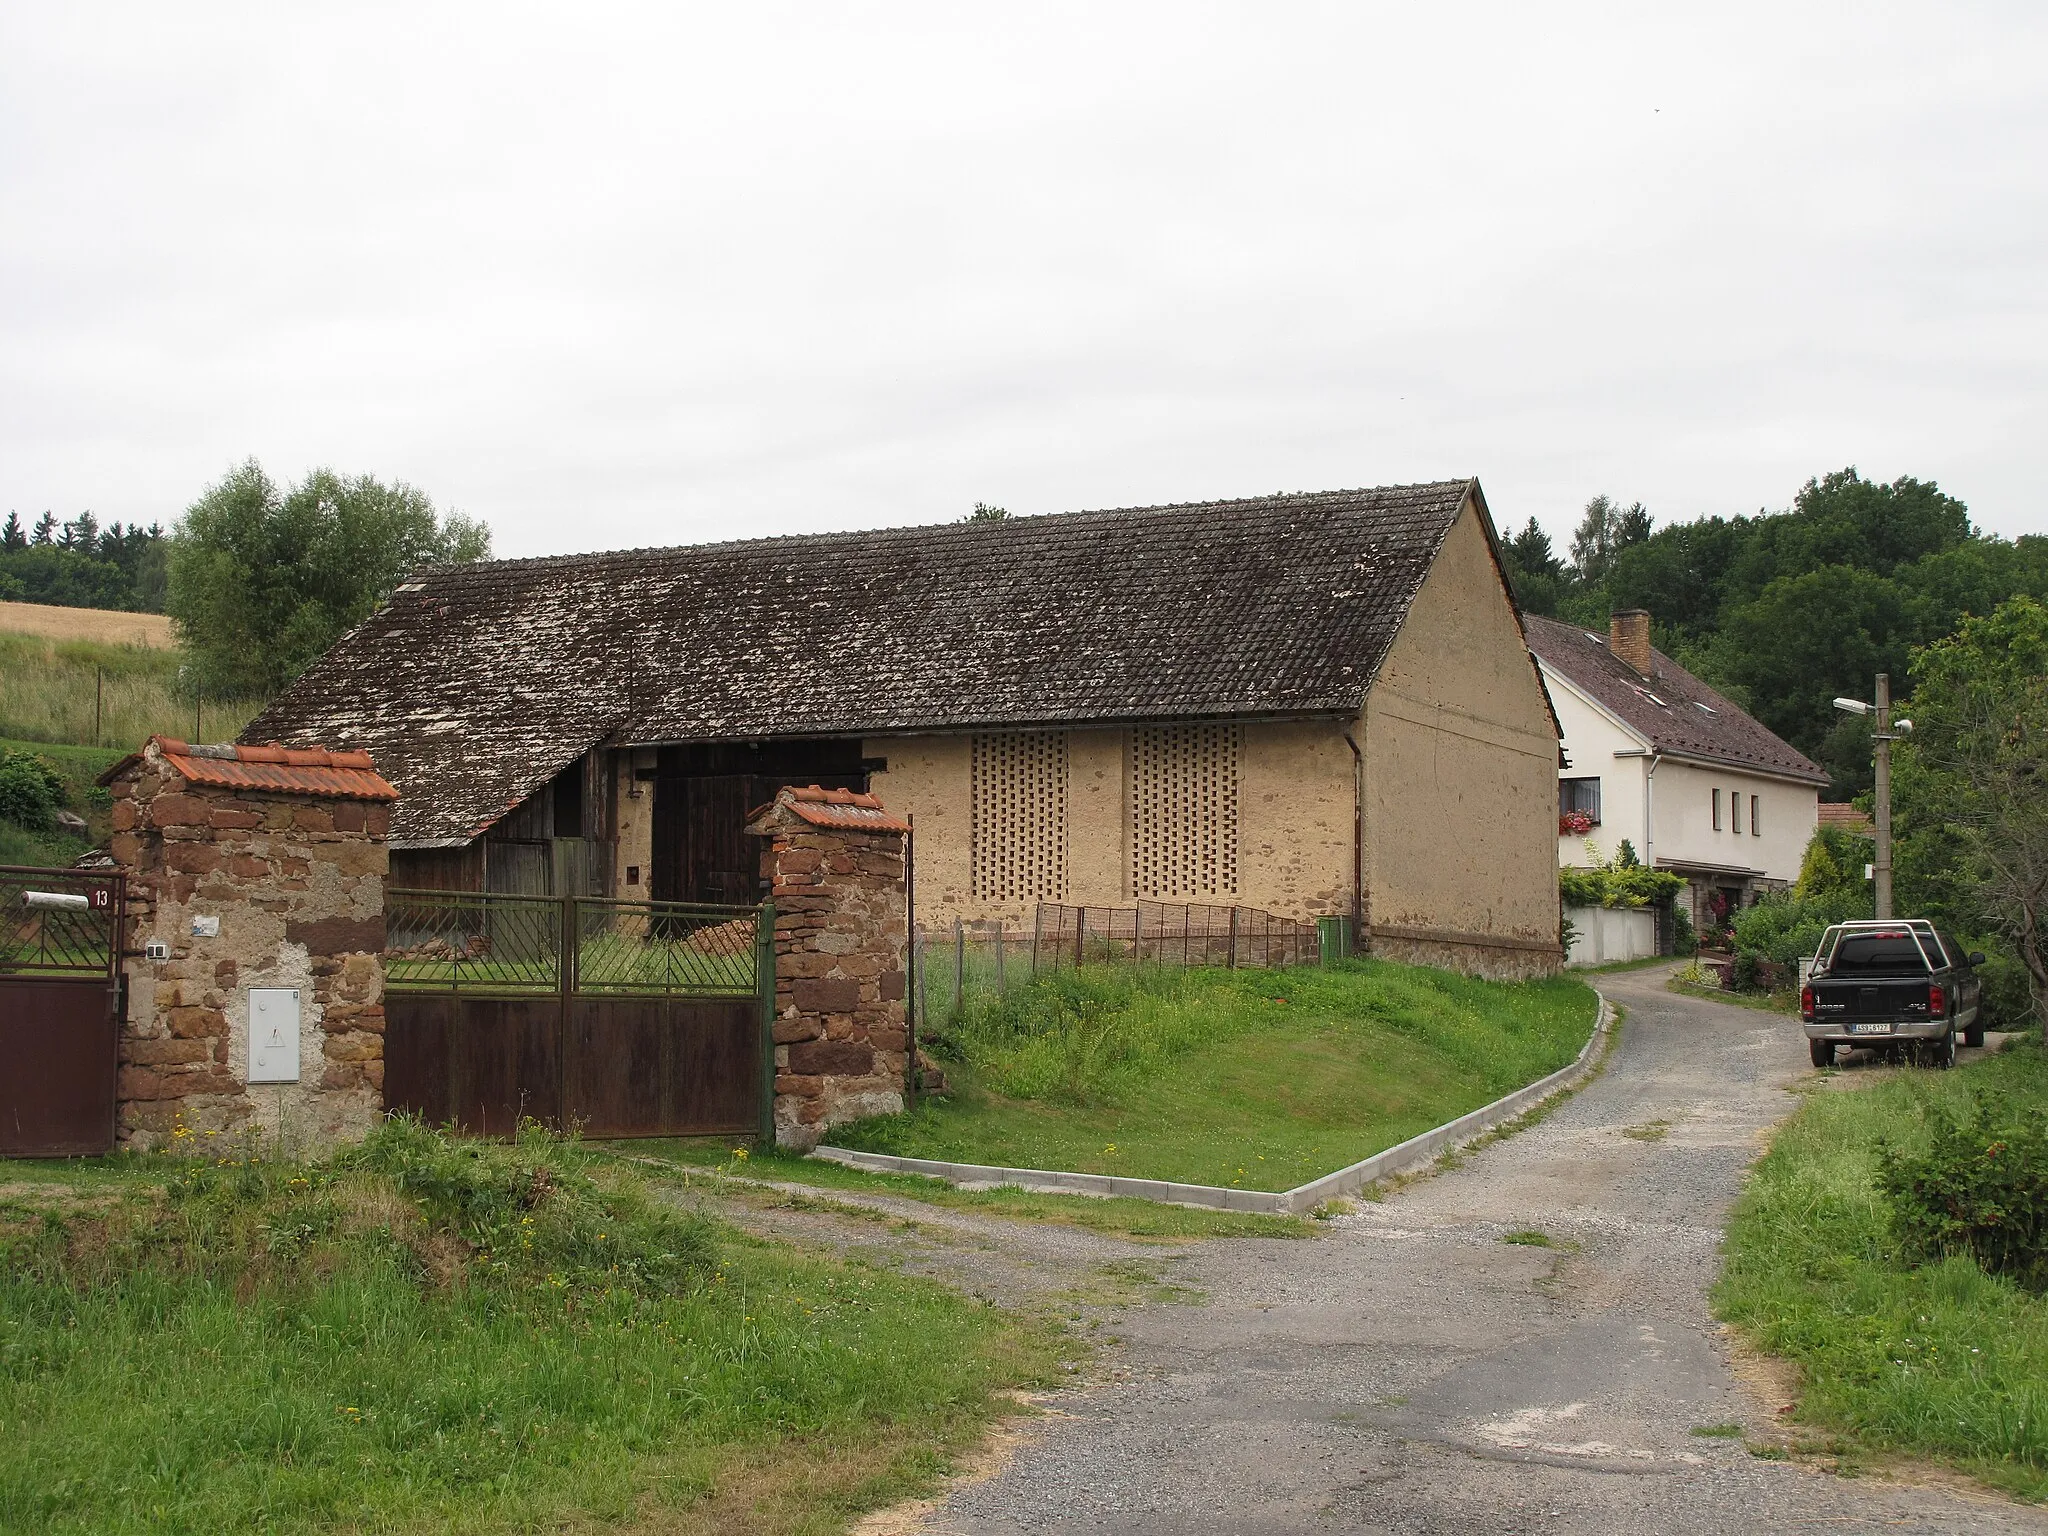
{"x":456,"y":1337}
{"x":1257,"y":1078}
{"x":1941,"y":1359}
{"x":47,"y":694}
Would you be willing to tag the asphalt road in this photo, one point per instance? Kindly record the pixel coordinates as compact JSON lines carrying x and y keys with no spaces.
{"x":1413,"y":1372}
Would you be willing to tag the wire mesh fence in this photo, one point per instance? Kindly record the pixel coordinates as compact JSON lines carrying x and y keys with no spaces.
{"x":987,"y":958}
{"x":487,"y":941}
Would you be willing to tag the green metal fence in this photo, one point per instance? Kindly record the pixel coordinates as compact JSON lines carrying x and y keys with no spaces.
{"x":470,"y":941}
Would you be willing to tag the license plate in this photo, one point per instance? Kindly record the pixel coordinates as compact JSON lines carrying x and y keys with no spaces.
{"x":1873,"y":1028}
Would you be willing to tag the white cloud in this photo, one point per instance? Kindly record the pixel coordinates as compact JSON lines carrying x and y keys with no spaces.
{"x":619,"y":275}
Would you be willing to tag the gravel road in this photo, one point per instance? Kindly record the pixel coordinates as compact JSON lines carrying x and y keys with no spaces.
{"x":1412,"y":1372}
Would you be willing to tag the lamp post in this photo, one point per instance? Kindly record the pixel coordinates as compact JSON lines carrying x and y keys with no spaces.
{"x":1883,"y":737}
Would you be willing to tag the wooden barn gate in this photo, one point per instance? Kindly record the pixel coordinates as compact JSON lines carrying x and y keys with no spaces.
{"x":61,"y":935}
{"x":612,"y":1018}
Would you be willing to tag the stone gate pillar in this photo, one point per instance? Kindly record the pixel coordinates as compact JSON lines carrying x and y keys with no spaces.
{"x":835,"y":869}
{"x":256,"y":889}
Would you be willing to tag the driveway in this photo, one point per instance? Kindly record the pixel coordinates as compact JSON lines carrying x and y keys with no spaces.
{"x":1413,"y":1372}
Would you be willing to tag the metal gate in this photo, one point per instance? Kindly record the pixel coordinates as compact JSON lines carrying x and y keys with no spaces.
{"x":613,"y":1018}
{"x":61,"y":933}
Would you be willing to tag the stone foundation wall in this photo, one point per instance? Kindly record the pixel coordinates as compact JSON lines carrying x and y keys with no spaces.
{"x":295,"y":882}
{"x":842,"y":1039}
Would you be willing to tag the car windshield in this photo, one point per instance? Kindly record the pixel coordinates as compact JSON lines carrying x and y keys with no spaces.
{"x":1891,"y":953}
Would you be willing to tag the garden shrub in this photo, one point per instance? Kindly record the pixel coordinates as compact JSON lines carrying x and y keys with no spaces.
{"x":1621,"y":882}
{"x":1784,"y":927}
{"x":1979,"y":1190}
{"x":31,"y":793}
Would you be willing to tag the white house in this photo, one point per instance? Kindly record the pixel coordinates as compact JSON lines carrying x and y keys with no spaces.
{"x":1658,"y":758}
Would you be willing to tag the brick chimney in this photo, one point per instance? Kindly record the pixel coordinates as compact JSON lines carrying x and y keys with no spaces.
{"x":1628,"y":636}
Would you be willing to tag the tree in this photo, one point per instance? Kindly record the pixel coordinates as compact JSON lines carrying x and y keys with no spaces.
{"x":45,"y":529}
{"x":82,"y":534}
{"x":1534,"y":572}
{"x":985,"y":512}
{"x":1604,"y":532}
{"x":11,"y":536}
{"x":264,"y":578}
{"x":1977,"y":771}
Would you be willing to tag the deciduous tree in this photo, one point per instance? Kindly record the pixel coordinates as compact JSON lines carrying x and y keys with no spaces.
{"x":1976,"y":771}
{"x":264,"y":578}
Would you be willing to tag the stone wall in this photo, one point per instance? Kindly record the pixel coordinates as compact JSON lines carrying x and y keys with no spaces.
{"x":293,"y":876}
{"x":835,"y":867}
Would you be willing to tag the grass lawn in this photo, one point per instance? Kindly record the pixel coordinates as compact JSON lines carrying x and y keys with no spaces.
{"x":1260,"y":1079}
{"x":1941,"y":1360}
{"x":1128,"y":1218}
{"x":458,"y":1337}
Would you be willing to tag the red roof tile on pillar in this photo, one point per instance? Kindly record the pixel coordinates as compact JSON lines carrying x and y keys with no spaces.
{"x":841,"y":809}
{"x":303,"y":771}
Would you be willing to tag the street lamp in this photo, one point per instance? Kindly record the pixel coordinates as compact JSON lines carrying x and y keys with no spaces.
{"x":1886,"y":733}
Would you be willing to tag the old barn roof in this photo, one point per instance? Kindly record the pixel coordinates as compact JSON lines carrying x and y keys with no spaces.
{"x":1670,"y":709}
{"x":479,"y":682}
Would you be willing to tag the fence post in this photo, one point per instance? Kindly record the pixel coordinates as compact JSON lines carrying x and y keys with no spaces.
{"x":959,"y":967}
{"x":1231,"y":963}
{"x":565,"y":978}
{"x":1080,"y":935}
{"x":921,"y":985}
{"x":1037,"y":927}
{"x":764,"y":986}
{"x":1002,"y":968}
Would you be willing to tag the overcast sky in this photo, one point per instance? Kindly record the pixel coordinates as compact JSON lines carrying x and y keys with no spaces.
{"x":609,"y":276}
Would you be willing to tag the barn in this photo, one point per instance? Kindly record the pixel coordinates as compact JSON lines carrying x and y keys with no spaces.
{"x":1321,"y":705}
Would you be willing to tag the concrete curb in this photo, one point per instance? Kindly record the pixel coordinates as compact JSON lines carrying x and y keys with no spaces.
{"x":1410,"y":1154}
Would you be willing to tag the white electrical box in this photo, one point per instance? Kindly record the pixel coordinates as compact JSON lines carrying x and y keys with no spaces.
{"x":156,"y":949}
{"x":273,"y":1034}
{"x":206,"y":927}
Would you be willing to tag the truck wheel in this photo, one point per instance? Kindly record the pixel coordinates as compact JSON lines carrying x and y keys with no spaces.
{"x":1974,"y":1035}
{"x":1822,"y":1051}
{"x":1941,"y":1054}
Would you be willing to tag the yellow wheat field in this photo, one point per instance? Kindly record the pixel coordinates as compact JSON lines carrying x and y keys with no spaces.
{"x":105,"y":625}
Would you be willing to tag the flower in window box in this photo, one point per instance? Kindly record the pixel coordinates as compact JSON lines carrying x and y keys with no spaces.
{"x":1574,"y":824}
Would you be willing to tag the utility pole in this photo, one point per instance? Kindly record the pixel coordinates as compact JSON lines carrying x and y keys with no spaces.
{"x":1883,"y":738}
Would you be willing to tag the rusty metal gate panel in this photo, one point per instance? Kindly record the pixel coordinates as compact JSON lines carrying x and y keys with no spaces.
{"x":613,"y":1018}
{"x":662,"y":1066}
{"x":480,"y":1064}
{"x":61,"y":936}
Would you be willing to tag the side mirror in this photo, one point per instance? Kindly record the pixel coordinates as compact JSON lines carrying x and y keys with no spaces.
{"x":1976,"y":957}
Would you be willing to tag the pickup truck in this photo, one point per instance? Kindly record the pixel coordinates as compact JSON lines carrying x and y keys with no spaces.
{"x":1896,"y":984}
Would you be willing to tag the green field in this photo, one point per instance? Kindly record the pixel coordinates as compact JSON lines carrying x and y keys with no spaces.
{"x":1258,"y":1079}
{"x":430,"y":1336}
{"x":1940,"y":1360}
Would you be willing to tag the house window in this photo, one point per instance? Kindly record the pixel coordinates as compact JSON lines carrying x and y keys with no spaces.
{"x":1756,"y":825}
{"x":1717,"y":810}
{"x":1183,"y":810}
{"x":1580,"y":795}
{"x":1017,"y":827}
